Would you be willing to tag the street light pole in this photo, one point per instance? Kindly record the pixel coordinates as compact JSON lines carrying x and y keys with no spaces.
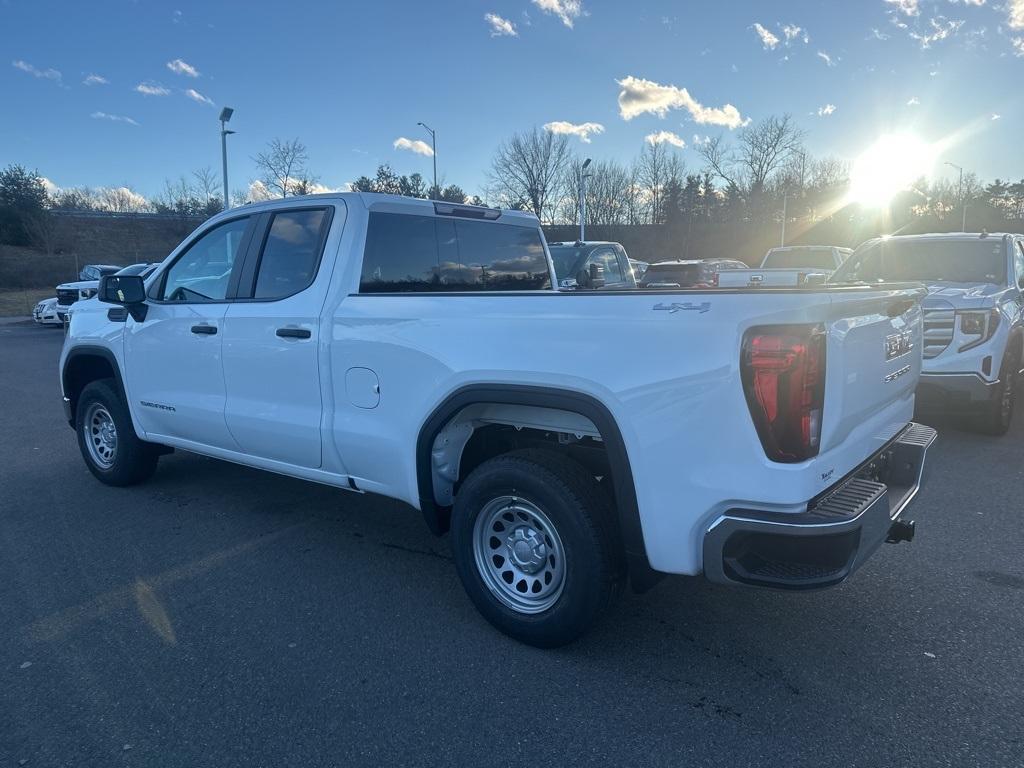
{"x":960,"y":194}
{"x":583,"y":200}
{"x":785,"y":199}
{"x":225,"y":116}
{"x":433,"y":152}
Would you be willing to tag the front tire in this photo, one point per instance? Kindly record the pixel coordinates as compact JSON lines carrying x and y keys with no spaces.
{"x":106,"y":437}
{"x":998,"y":414}
{"x":534,"y":541}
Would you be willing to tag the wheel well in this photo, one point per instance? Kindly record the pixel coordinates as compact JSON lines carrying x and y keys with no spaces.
{"x":83,"y":368}
{"x":479,"y":422}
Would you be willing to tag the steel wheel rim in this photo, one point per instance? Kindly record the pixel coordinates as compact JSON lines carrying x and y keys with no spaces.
{"x":100,"y":434}
{"x":519,"y":554}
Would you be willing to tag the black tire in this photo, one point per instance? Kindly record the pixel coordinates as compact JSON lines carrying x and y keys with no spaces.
{"x":582,"y":518}
{"x":997,"y":415}
{"x":131,"y":460}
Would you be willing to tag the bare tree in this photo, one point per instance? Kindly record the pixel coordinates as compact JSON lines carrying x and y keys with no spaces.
{"x":606,"y":191}
{"x":283,"y":165}
{"x":207,"y":185}
{"x":761,"y":151}
{"x":528,"y":171}
{"x":657,"y":167}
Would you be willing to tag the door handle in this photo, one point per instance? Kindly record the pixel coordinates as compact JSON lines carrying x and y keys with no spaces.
{"x":294,"y":333}
{"x":209,"y":330}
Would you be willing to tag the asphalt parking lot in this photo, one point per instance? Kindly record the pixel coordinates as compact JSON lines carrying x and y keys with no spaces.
{"x":223,"y":616}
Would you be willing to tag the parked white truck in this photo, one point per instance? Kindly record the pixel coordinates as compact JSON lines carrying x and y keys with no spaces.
{"x":570,"y":440}
{"x":973,"y":316}
{"x":788,"y":266}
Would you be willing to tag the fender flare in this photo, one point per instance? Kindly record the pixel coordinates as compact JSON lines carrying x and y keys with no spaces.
{"x":631,"y":532}
{"x":92,"y":350}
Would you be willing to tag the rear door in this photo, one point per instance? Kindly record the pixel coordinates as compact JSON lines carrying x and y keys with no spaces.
{"x":272,"y":339}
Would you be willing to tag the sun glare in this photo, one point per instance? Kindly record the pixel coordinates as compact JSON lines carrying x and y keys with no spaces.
{"x":888,"y":167}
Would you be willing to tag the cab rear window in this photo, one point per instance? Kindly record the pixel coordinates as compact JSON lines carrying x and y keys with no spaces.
{"x":406,"y":253}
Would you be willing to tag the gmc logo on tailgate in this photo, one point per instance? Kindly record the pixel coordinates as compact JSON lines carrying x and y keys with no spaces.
{"x":898,"y":345}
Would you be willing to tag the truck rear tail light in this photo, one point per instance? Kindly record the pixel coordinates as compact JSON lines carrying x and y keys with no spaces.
{"x":783,"y":374}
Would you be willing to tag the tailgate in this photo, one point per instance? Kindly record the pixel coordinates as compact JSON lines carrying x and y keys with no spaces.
{"x":873,"y":361}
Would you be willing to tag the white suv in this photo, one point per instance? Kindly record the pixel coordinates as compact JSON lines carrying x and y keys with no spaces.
{"x":973,"y":315}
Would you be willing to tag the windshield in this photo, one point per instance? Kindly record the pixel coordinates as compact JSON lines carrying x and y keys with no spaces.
{"x":942,"y":261}
{"x":812,"y":258}
{"x":565,"y":258}
{"x":135,"y":269}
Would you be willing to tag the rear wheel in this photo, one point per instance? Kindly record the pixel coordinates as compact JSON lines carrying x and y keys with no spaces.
{"x":998,"y":413}
{"x":534,"y":545}
{"x":107,"y":439}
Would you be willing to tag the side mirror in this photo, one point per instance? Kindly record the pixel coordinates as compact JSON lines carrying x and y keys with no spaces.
{"x":596,"y":276}
{"x":128,"y":291}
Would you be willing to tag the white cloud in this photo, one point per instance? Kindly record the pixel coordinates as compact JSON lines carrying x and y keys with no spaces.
{"x":768,"y":40}
{"x":567,"y":10}
{"x":906,"y":7}
{"x":180,"y":67}
{"x":115,"y":118}
{"x":45,"y":74}
{"x":151,"y":89}
{"x":941,"y":29}
{"x":913,"y":101}
{"x":878,"y":35}
{"x":996,"y":116}
{"x":829,"y":61}
{"x":639,"y":96}
{"x":500,"y":27}
{"x":665,"y":137}
{"x":792,"y":32}
{"x":195,"y":95}
{"x":827,"y":110}
{"x":1018,"y":46}
{"x":413,"y":145}
{"x":1016,"y":14}
{"x":698,"y":139}
{"x":580,"y":130}
{"x":92,"y":79}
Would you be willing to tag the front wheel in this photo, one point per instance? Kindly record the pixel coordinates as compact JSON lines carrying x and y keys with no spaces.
{"x":107,"y":439}
{"x":998,"y":414}
{"x":534,"y":545}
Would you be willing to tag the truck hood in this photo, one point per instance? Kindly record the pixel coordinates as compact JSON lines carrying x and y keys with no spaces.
{"x":79,"y":285}
{"x":961,"y":295}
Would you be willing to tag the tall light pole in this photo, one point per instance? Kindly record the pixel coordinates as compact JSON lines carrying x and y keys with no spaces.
{"x":225,"y":116}
{"x":960,"y":194}
{"x":583,"y":199}
{"x":433,"y":152}
{"x":785,"y":199}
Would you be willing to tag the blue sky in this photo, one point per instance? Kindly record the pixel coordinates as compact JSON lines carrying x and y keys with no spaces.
{"x":351,"y":78}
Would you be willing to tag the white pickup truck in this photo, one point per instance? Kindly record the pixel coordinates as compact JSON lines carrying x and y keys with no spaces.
{"x":788,"y":266}
{"x":569,"y":440}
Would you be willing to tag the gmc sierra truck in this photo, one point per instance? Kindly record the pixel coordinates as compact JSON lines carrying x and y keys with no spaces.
{"x":973,"y":316}
{"x":571,"y":441}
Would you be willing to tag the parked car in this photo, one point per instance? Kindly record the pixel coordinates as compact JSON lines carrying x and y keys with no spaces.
{"x":973,"y":315}
{"x":96,"y":271}
{"x":569,"y":440}
{"x":584,"y":264}
{"x":45,"y":312}
{"x":69,"y":293}
{"x":688,"y":273}
{"x":789,"y":266}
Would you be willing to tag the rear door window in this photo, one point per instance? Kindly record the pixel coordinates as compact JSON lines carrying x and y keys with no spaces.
{"x":609,"y":261}
{"x":291,"y":253}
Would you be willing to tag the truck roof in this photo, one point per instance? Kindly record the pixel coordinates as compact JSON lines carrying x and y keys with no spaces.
{"x":966,"y":236}
{"x":394,"y":203}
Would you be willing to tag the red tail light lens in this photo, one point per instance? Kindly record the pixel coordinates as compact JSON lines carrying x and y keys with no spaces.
{"x":783,"y":372}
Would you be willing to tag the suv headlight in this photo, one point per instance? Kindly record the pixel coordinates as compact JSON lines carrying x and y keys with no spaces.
{"x":979,"y":323}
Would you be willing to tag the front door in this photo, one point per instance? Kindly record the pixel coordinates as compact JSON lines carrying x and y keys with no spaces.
{"x":173,"y":358}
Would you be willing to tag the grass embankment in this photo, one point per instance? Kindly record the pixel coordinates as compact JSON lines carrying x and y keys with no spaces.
{"x":20,"y":302}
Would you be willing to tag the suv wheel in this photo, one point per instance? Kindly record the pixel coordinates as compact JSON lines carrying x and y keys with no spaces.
{"x":107,"y":439}
{"x":535,"y":546}
{"x":999,"y":412}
